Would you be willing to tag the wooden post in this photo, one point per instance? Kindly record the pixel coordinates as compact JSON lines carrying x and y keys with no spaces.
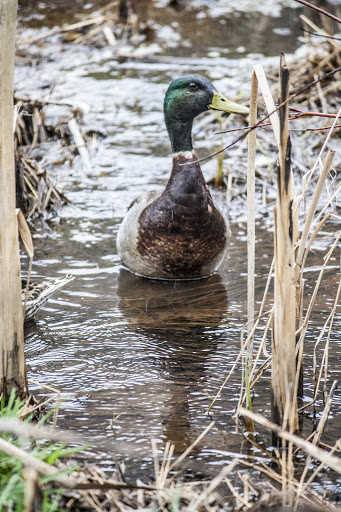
{"x":284,"y":392}
{"x":12,"y":361}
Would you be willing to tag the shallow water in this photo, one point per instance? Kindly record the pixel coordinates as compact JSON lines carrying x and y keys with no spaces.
{"x":152,"y":355}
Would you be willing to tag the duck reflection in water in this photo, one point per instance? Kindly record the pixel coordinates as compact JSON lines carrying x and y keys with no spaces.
{"x":186,"y":306}
{"x":185,"y":321}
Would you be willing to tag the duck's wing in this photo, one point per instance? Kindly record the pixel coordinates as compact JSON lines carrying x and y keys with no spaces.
{"x":128,"y":233}
{"x":144,"y":199}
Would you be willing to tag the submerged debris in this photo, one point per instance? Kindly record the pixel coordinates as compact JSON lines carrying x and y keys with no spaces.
{"x":111,"y":25}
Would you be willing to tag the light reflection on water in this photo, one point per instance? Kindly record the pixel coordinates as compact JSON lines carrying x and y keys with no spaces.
{"x":150,"y":354}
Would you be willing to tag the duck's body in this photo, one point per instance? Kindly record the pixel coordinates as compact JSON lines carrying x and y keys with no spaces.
{"x":178,"y":233}
{"x":39,"y":293}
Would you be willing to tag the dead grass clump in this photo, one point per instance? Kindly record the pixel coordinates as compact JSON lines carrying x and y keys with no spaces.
{"x":323,"y":54}
{"x":35,"y":192}
{"x":89,"y":488}
{"x":315,"y":84}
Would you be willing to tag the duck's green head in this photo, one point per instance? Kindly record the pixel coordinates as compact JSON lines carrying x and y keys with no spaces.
{"x":186,"y":98}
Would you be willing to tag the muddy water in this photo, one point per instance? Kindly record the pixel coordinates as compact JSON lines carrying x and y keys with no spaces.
{"x":151,"y":355}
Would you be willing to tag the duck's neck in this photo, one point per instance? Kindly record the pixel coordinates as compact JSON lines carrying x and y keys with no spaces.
{"x":182,"y":159}
{"x":186,"y":176}
{"x":180,"y":134}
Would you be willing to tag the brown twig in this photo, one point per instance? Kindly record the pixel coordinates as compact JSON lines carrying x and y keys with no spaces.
{"x":314,"y":129}
{"x":250,"y":128}
{"x":320,"y":35}
{"x":318,"y":9}
{"x":298,"y":116}
{"x":302,"y":113}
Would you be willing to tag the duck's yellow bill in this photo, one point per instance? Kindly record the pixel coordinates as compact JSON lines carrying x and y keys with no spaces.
{"x":221,"y":103}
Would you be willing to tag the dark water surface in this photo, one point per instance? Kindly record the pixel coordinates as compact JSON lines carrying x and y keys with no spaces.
{"x":152,"y":355}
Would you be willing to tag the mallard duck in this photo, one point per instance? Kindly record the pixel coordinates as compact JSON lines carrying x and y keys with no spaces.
{"x":39,"y":293}
{"x":178,"y":233}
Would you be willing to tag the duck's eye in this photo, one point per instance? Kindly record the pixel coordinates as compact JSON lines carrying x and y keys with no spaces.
{"x":192,"y":86}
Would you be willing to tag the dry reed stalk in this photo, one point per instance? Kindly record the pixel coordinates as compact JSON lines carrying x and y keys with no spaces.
{"x":25,"y":235}
{"x":199,"y":501}
{"x":312,"y":477}
{"x":316,"y":439}
{"x":80,"y":143}
{"x":317,"y":453}
{"x":283,"y":339}
{"x":28,"y":430}
{"x":251,"y":218}
{"x":260,"y":75}
{"x":239,"y":356}
{"x":268,"y":100}
{"x":56,"y":398}
{"x":302,"y":250}
{"x":237,"y":496}
{"x":336,"y":44}
{"x":190,"y":448}
{"x":12,"y":359}
{"x":303,"y":328}
{"x":166,"y":462}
